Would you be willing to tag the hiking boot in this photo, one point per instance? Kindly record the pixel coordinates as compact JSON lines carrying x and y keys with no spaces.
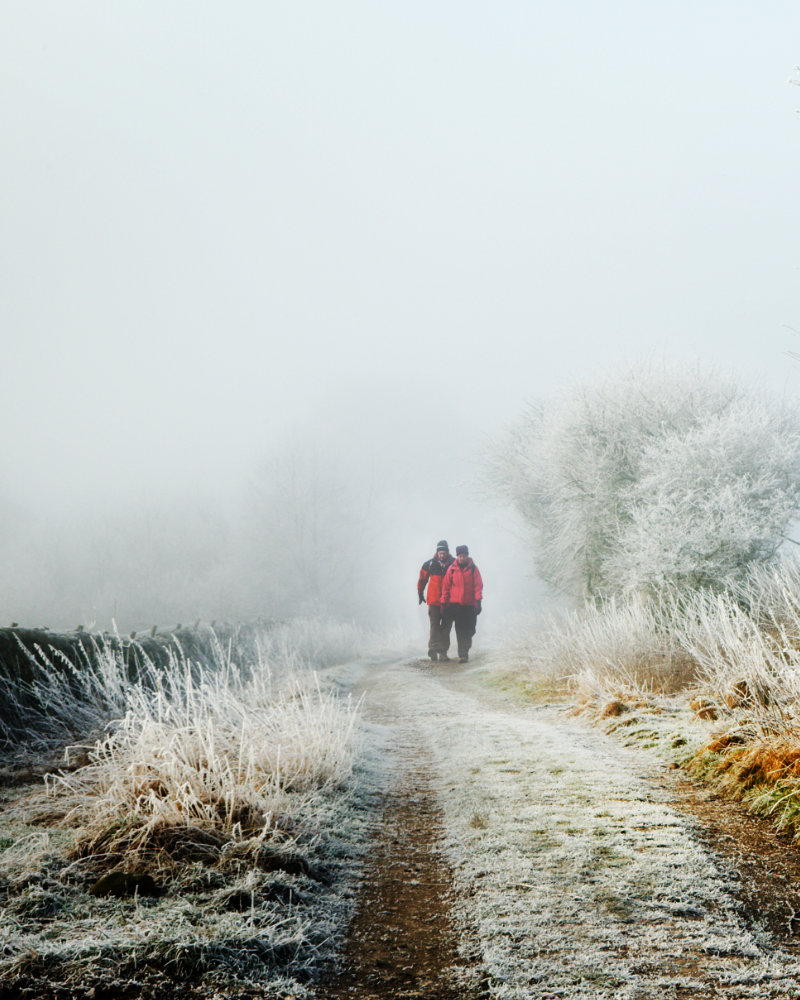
{"x":443,"y":656}
{"x":433,"y":654}
{"x":463,"y":659}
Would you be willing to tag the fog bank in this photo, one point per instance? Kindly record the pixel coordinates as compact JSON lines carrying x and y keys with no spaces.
{"x":333,"y":518}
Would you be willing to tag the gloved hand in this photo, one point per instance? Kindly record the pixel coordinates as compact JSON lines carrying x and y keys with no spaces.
{"x":478,"y":607}
{"x":421,"y":599}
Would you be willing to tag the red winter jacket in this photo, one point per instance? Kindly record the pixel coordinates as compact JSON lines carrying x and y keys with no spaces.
{"x":432,"y":573}
{"x":462,"y":584}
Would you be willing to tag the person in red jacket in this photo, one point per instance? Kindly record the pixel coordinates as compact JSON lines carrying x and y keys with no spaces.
{"x":432,"y":574}
{"x":462,"y":600}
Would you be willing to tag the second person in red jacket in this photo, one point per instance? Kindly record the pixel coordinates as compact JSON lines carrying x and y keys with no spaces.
{"x":462,"y":599}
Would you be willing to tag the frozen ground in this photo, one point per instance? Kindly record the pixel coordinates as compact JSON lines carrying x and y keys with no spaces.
{"x":573,"y":873}
{"x":561,"y":863}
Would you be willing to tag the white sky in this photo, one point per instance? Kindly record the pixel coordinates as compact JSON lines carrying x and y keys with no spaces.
{"x":222,"y":219}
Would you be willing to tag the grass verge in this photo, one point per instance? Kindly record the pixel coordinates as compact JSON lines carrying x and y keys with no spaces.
{"x":709,"y":680}
{"x":210,"y":837}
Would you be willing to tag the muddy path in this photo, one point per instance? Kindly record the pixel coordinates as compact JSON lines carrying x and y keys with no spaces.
{"x":403,"y":943}
{"x":521,"y":855}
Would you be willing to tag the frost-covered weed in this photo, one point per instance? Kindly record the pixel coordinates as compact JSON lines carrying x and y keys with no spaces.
{"x":747,"y":647}
{"x":745,"y":664}
{"x":218,"y":748}
{"x":740,"y":648}
{"x":221,"y":755}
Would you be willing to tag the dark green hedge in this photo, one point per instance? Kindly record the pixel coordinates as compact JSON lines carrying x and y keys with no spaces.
{"x":22,"y":664}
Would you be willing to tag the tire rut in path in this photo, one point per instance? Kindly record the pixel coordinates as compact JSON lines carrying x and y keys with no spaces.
{"x":402,"y":943}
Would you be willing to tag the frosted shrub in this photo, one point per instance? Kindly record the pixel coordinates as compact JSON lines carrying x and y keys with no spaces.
{"x":68,"y":698}
{"x":712,"y":501}
{"x":219,"y":755}
{"x":651,"y":478}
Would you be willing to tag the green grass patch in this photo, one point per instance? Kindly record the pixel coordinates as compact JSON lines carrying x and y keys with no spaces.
{"x":523,"y":686}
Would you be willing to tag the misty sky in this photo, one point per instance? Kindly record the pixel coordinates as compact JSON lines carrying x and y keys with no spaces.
{"x":385,"y":224}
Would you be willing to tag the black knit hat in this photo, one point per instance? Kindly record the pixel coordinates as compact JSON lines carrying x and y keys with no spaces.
{"x":462,"y":550}
{"x":442,"y":545}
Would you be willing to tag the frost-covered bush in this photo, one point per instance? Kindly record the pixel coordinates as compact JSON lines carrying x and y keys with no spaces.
{"x":711,"y":501}
{"x":221,"y":754}
{"x":652,"y":478}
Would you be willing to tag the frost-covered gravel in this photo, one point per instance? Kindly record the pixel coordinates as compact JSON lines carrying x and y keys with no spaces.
{"x":575,"y":875}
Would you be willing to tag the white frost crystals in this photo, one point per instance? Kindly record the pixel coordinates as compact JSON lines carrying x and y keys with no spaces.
{"x":651,"y":478}
{"x":215,"y":754}
{"x":234,"y":795}
{"x":578,"y":878}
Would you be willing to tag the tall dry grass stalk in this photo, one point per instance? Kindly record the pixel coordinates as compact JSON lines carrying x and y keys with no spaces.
{"x":740,"y":648}
{"x":747,"y":646}
{"x":748,"y":653}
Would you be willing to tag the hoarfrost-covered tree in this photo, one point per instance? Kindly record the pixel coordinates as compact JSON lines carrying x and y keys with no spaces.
{"x":652,"y":478}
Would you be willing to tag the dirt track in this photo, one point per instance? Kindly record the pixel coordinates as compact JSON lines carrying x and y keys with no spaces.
{"x":403,"y":943}
{"x":521,"y":855}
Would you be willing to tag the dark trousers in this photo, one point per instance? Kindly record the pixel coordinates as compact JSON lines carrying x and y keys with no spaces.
{"x":465,"y":620}
{"x":439,"y":639}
